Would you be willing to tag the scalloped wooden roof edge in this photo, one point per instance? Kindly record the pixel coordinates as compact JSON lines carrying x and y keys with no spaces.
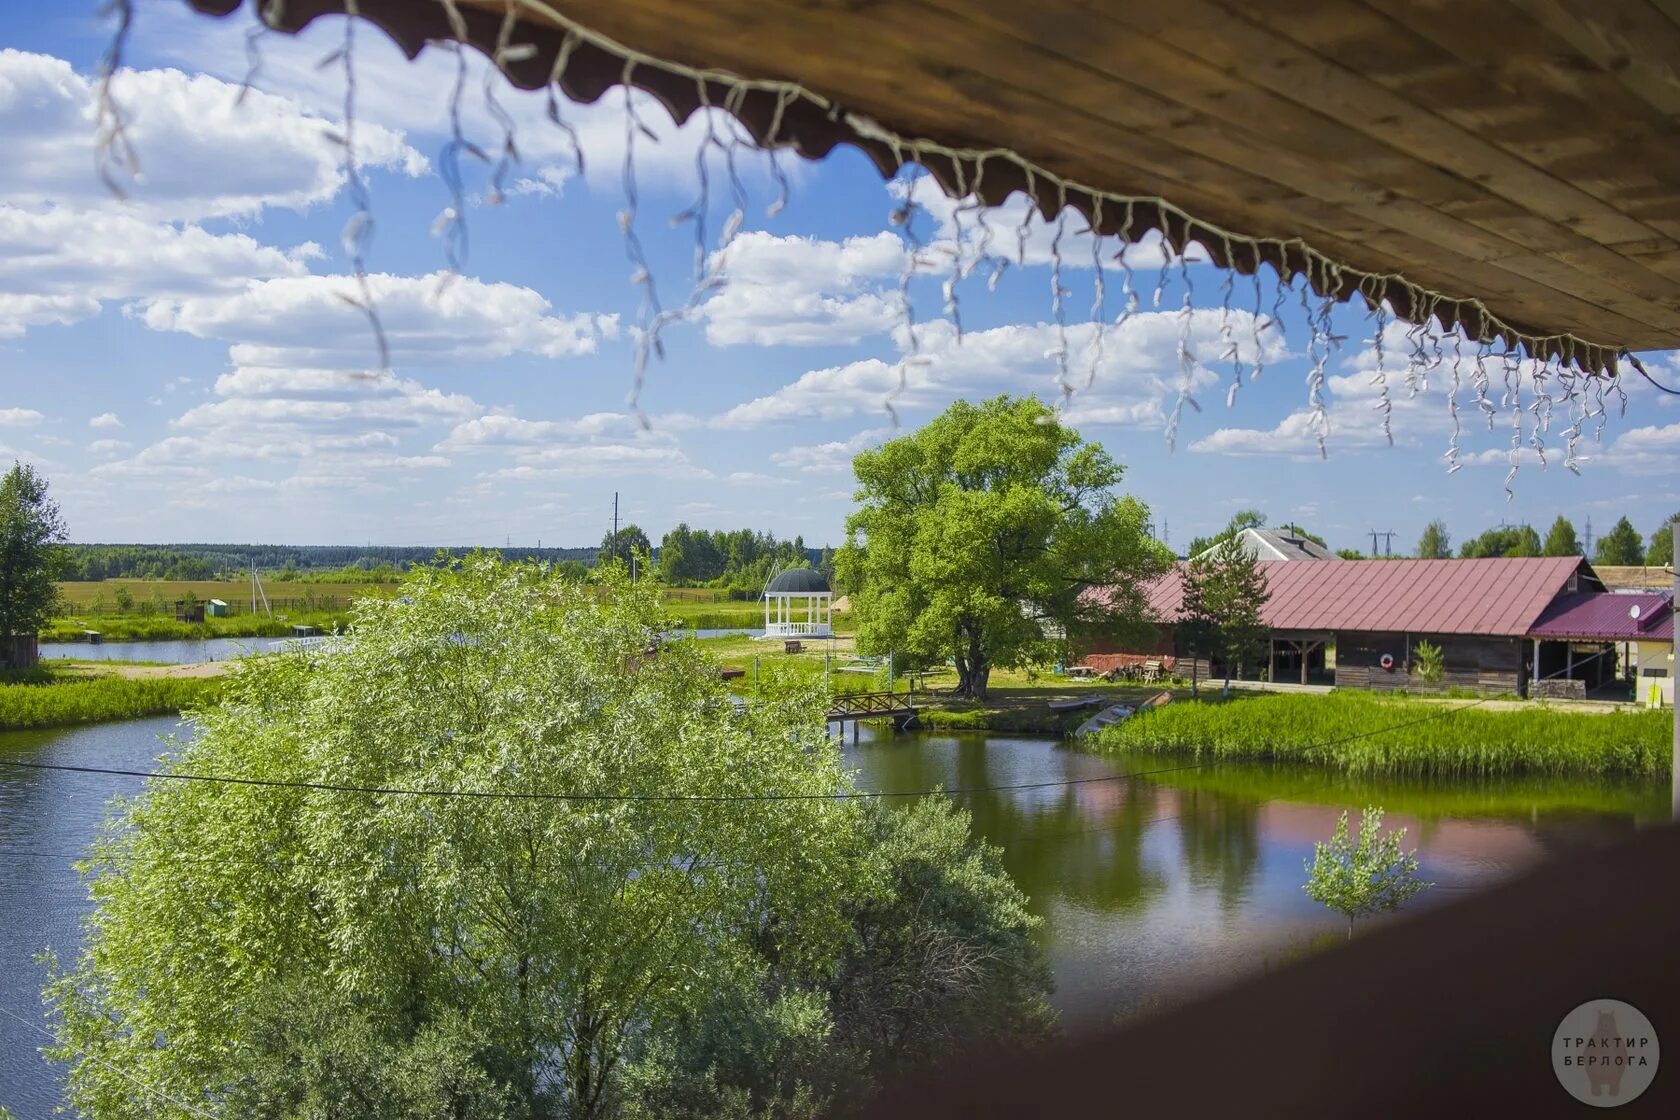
{"x":1376,"y":148}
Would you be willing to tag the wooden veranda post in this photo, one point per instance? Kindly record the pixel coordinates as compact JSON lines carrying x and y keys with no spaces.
{"x":1674,"y":762}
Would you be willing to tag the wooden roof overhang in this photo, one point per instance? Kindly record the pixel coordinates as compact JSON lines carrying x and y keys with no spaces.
{"x":1506,"y":165}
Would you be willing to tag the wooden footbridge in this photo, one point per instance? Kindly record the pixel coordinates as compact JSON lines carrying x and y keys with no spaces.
{"x":857,"y":706}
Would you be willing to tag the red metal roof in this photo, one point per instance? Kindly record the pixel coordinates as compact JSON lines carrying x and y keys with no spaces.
{"x":1500,"y":596}
{"x":1607,"y":616}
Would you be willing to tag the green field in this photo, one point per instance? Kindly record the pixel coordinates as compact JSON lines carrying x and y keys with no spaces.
{"x":100,"y":597}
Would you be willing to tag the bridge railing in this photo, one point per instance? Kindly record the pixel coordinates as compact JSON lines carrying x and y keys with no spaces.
{"x":849,"y":705}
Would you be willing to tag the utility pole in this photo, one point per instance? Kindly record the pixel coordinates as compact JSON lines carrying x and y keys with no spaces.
{"x":1586,"y":544}
{"x":1388,"y":541}
{"x":615,"y":525}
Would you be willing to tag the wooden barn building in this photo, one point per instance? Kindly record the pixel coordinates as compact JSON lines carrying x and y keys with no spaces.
{"x":1502,"y":624}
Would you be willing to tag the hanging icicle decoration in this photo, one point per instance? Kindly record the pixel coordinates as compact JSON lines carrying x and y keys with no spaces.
{"x":1257,"y":326}
{"x":1513,"y":401}
{"x":556,"y":117}
{"x":1058,"y":310}
{"x":1187,"y":368}
{"x":1453,"y":465}
{"x":961,"y":262}
{"x":266,"y":12}
{"x":357,"y":234}
{"x":649,"y":313}
{"x":1129,"y":301}
{"x":113,"y":152}
{"x":1099,"y":300}
{"x":1384,"y":405}
{"x":1319,"y":348}
{"x":1228,"y":340}
{"x":904,"y":217}
{"x":1484,"y":382}
{"x":1539,"y":409}
{"x":750,"y":103}
{"x":784,"y":188}
{"x":507,"y":53}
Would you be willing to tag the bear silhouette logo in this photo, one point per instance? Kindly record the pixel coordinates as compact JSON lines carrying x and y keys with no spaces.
{"x":1605,"y":1053}
{"x":1608,"y":1056}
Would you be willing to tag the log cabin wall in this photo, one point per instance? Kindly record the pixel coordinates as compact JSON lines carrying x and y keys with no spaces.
{"x":1474,"y":663}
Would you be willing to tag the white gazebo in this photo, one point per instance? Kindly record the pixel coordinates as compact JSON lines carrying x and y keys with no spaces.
{"x":798,"y":604}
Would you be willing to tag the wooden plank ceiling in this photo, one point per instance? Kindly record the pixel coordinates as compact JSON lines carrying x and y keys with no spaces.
{"x":1517,"y":152}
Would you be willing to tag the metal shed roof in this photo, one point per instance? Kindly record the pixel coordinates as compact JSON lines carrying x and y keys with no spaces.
{"x":1495,"y":597}
{"x":1607,"y":616}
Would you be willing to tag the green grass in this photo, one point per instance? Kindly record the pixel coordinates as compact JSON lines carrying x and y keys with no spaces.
{"x":83,"y":596}
{"x":1512,"y":796}
{"x":1358,"y":733}
{"x":49,"y":701}
{"x":164,"y":628}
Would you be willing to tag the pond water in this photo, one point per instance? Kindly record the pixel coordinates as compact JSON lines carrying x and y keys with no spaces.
{"x":173,"y":652}
{"x":225,"y":649}
{"x":1150,"y":887}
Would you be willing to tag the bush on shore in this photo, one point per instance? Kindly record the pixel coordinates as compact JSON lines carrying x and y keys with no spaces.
{"x":46,"y":700}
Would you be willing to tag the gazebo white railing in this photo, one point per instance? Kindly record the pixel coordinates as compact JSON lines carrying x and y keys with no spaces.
{"x":798,"y":604}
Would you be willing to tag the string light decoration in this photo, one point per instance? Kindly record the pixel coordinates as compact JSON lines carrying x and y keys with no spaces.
{"x":538,"y":47}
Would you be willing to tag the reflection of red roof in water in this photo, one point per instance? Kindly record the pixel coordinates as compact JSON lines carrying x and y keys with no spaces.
{"x":1501,"y":596}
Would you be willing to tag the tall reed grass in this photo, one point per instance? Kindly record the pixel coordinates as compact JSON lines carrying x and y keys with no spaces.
{"x":1362,"y":734}
{"x":56,"y":702}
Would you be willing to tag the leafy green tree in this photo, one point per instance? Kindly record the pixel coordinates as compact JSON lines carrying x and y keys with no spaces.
{"x":578,"y":919}
{"x":1507,"y":540}
{"x":1622,"y":545}
{"x":1350,"y":554}
{"x":943,"y":956}
{"x":1561,"y":540}
{"x":1371,"y":876}
{"x":1224,"y":591}
{"x":1428,"y":662}
{"x":1435,"y":543}
{"x":31,"y":558}
{"x":981,"y":537}
{"x":570,"y":934}
{"x":629,"y":542}
{"x":1660,"y":553}
{"x":124,"y":598}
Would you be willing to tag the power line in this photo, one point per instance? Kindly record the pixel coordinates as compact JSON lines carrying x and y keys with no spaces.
{"x":535,"y":795}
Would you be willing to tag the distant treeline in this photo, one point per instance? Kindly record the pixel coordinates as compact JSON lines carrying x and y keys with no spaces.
{"x":739,"y":559}
{"x":213,"y":561}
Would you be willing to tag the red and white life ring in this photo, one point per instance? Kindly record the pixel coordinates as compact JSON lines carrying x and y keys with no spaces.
{"x":1387,"y":661}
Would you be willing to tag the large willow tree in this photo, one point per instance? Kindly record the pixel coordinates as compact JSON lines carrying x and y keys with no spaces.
{"x":519,"y":861}
{"x":981,"y":537}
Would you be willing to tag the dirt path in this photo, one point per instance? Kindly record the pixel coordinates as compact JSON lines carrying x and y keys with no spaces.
{"x":143,"y":672}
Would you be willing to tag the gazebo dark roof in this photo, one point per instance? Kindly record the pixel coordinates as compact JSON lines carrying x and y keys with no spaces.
{"x":798,"y":581}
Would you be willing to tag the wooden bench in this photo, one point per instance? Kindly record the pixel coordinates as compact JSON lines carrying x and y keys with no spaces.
{"x":793,"y":645}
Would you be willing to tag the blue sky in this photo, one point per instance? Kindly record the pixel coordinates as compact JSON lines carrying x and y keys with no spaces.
{"x":183,"y":366}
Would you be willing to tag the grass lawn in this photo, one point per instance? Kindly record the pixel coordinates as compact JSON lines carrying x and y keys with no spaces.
{"x":1018,"y":699}
{"x":1361,"y":733}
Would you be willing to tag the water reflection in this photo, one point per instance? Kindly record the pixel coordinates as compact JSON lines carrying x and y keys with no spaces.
{"x":1152,"y":888}
{"x":1149,"y":888}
